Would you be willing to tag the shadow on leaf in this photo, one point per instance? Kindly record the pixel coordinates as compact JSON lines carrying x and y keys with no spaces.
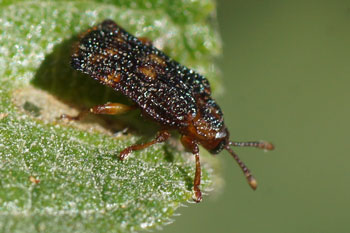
{"x":81,"y":92}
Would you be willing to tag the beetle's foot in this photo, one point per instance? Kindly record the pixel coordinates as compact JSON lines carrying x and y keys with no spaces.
{"x":125,"y":153}
{"x":69,"y":117}
{"x":198,"y":196}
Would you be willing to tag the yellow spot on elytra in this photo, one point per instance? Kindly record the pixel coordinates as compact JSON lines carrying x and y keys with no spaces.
{"x":148,"y":71}
{"x":157,"y":59}
{"x":107,"y":81}
{"x":114,"y":77}
{"x":112,"y":51}
{"x":117,"y":78}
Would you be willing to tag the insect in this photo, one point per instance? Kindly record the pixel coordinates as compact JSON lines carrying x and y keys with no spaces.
{"x":165,"y":91}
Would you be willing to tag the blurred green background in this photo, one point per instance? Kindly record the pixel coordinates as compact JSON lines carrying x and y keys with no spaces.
{"x":286,"y":69}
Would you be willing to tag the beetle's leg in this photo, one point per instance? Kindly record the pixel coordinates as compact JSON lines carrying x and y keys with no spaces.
{"x":192,"y":145}
{"x":257,"y":144}
{"x":162,"y":136}
{"x":197,"y":180}
{"x":109,"y":109}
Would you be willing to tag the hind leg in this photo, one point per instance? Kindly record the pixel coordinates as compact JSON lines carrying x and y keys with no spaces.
{"x":108,"y":109}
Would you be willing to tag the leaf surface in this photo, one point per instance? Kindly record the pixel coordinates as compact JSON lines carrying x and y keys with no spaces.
{"x":65,"y":177}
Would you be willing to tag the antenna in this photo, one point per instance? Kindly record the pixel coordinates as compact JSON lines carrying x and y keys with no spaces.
{"x":258,"y":144}
{"x":251,"y":180}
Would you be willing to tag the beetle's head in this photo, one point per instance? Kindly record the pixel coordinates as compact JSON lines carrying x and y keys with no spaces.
{"x":218,"y":142}
{"x":208,"y":128}
{"x":215,"y":140}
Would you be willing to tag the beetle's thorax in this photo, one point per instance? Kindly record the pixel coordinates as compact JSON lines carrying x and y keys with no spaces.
{"x":208,"y":127}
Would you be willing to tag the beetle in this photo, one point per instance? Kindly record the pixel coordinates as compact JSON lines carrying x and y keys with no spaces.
{"x":174,"y":96}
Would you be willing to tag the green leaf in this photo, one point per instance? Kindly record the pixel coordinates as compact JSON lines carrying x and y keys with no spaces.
{"x":57,"y":176}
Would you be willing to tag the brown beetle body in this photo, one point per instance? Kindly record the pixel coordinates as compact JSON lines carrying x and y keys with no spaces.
{"x":169,"y":93}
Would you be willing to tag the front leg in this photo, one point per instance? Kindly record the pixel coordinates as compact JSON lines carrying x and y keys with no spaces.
{"x":192,"y":146}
